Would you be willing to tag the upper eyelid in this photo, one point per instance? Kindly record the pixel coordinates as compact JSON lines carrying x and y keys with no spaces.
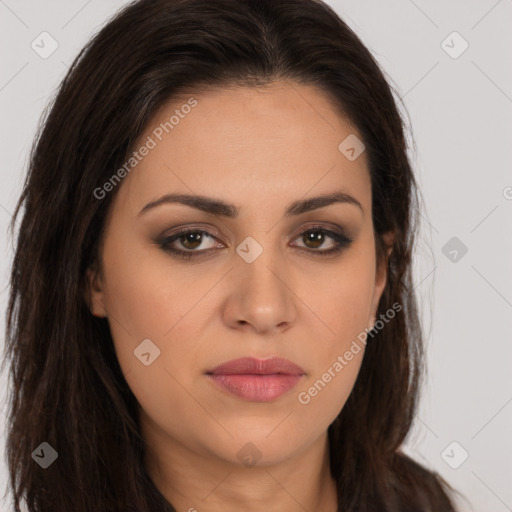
{"x":326,"y":226}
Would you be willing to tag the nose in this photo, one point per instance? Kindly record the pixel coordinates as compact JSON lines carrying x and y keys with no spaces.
{"x":260,"y":296}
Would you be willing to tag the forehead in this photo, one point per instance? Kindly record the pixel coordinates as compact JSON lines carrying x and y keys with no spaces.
{"x":269,"y":144}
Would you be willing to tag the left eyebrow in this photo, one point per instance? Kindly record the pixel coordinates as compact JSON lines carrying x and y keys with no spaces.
{"x":219,"y":207}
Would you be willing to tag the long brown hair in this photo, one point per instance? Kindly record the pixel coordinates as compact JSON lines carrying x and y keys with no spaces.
{"x":67,"y":388}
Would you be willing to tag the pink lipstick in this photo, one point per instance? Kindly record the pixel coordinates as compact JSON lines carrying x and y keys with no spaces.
{"x":257,"y":380}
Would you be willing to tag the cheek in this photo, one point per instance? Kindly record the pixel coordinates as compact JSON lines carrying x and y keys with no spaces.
{"x":324,"y":394}
{"x":147,"y":300}
{"x":150,"y":298}
{"x":338,"y":352}
{"x":147,"y":293}
{"x":142,"y":299}
{"x":342,"y":301}
{"x":165,"y":399}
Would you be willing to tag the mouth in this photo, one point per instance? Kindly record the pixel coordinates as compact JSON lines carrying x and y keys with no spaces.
{"x":257,"y":380}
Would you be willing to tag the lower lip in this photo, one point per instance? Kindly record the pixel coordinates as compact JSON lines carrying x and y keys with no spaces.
{"x":256,"y":388}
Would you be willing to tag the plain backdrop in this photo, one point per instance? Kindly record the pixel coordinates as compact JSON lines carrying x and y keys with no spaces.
{"x":450,"y":63}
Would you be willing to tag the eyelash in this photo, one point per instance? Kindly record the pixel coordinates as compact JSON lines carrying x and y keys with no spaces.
{"x":165,"y":243}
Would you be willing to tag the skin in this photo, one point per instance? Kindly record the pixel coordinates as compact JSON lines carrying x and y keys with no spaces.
{"x":259,"y":149}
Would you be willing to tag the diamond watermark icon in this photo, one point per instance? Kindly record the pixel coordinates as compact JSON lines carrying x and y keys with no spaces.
{"x":45,"y":455}
{"x":44,"y":45}
{"x":249,"y":455}
{"x":147,"y":352}
{"x":454,"y":455}
{"x":249,"y":249}
{"x":454,"y":45}
{"x":352,"y":147}
{"x":454,"y":249}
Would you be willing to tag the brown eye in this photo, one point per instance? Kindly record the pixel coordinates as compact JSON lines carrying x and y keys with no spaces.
{"x":313,"y":239}
{"x":186,"y":242}
{"x":316,"y":237}
{"x":191,"y":240}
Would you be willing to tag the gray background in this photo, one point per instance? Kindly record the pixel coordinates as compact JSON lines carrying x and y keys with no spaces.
{"x":460,"y":110}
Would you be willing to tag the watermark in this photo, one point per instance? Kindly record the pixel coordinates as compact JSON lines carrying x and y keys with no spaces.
{"x":454,"y":45}
{"x":454,"y":455}
{"x":44,"y":45}
{"x":146,"y":352}
{"x":45,"y":455}
{"x":304,"y":397}
{"x":249,"y":249}
{"x":149,"y":144}
{"x":249,"y":455}
{"x":454,"y":249}
{"x":352,"y":147}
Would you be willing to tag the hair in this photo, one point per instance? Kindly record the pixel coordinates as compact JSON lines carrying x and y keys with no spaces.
{"x":67,"y":388}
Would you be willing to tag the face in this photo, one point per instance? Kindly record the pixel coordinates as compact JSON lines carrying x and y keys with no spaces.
{"x":262,"y":273}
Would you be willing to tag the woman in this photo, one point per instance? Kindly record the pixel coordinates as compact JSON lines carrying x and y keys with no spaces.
{"x":211,"y":298}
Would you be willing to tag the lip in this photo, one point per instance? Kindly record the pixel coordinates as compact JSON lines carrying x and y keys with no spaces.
{"x":257,"y":380}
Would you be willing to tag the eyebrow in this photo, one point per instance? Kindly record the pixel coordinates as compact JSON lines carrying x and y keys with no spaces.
{"x":219,"y":207}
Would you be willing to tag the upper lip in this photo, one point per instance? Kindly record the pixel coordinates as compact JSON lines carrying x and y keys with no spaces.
{"x":251,"y":365}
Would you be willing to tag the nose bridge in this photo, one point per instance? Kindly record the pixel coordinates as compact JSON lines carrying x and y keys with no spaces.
{"x":261,"y":295}
{"x":260,"y":266}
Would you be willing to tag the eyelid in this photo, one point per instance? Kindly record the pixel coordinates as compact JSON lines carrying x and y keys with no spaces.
{"x":324,"y":226}
{"x":214,"y":232}
{"x":187,"y":228}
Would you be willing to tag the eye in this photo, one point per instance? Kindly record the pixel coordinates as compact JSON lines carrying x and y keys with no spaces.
{"x":191,"y":240}
{"x":315,"y":237}
{"x":195,"y":242}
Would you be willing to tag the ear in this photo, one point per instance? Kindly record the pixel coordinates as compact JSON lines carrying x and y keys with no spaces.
{"x":381,"y":275}
{"x":94,"y":294}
